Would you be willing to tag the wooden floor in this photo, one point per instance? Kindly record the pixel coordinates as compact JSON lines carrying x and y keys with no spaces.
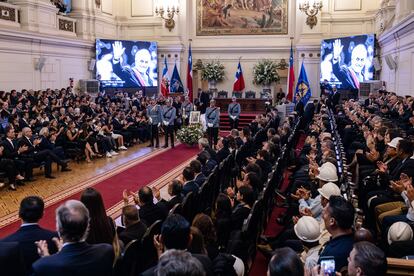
{"x":47,"y":188}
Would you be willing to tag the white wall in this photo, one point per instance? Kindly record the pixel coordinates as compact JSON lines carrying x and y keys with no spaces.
{"x":135,"y":19}
{"x":398,"y":42}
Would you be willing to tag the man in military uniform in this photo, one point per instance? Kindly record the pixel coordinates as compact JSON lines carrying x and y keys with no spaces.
{"x":154,"y":115}
{"x":187,"y":108}
{"x":234,"y":111}
{"x":168,"y":117}
{"x":212,"y":120}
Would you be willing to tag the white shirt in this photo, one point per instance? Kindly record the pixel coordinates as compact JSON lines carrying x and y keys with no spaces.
{"x":29,"y":224}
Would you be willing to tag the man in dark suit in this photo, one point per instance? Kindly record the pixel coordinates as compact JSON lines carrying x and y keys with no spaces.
{"x":175,"y":189}
{"x":204,"y":145}
{"x":208,"y":164}
{"x":175,"y":234}
{"x":370,"y":101}
{"x":11,"y":259}
{"x":134,"y":228}
{"x":121,"y":128}
{"x":75,"y":257}
{"x":15,"y":152}
{"x":199,"y":177}
{"x":309,"y":111}
{"x":30,"y":212}
{"x":189,"y":184}
{"x":299,"y":107}
{"x":24,"y":120}
{"x":38,"y":155}
{"x":150,"y":212}
{"x":204,"y":100}
{"x":223,"y":149}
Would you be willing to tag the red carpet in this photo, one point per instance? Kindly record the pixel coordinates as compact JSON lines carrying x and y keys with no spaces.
{"x":131,"y":179}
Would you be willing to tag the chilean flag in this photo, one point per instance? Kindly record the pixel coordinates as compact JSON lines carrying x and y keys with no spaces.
{"x":238,"y":85}
{"x":190,"y":75}
{"x":291,"y":77}
{"x":164,"y":79}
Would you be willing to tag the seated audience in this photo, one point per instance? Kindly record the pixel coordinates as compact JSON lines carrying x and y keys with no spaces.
{"x":149,"y":212}
{"x":199,"y":177}
{"x":241,"y":211}
{"x":30,"y":212}
{"x":75,"y":257}
{"x":179,"y":262}
{"x":338,"y":217}
{"x":189,"y":184}
{"x":134,"y":228}
{"x":175,"y":234}
{"x":101,"y":226}
{"x":175,"y":189}
{"x":285,"y":261}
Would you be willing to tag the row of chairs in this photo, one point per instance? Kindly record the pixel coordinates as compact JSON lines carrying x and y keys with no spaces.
{"x":348,"y":187}
{"x":261,"y":211}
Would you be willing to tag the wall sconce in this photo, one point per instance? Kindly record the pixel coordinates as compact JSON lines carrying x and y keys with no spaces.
{"x":311,"y":9}
{"x":166,"y":9}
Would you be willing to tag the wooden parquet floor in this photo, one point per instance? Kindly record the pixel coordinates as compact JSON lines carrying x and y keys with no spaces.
{"x":65,"y":182}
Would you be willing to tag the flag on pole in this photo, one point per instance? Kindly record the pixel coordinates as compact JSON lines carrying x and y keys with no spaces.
{"x":190,"y":75}
{"x":239,"y":80}
{"x":164,"y":80}
{"x":303,"y":87}
{"x":176,"y":85}
{"x":291,"y":76}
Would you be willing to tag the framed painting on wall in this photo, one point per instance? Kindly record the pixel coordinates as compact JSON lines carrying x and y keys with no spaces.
{"x":242,"y":17}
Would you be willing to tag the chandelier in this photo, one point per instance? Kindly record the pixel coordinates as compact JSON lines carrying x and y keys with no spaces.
{"x":311,"y":9}
{"x":166,"y":9}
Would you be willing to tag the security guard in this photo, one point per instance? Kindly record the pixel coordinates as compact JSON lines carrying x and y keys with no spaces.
{"x":168,"y":117}
{"x":187,"y":108}
{"x":212,"y":120}
{"x":234,"y":111}
{"x":154,"y":115}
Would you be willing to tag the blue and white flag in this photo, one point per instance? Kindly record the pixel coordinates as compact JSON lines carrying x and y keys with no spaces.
{"x":303,"y":87}
{"x":176,"y":85}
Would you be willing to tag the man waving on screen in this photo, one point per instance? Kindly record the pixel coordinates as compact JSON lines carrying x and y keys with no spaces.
{"x":354,"y":74}
{"x":137,"y":75}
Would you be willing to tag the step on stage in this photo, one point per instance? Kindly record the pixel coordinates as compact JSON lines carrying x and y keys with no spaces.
{"x":249,"y":109}
{"x":252,"y":106}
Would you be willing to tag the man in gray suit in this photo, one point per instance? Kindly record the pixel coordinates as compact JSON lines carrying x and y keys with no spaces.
{"x":168,"y":117}
{"x":234,"y":111}
{"x":212,"y":120}
{"x":187,"y":107}
{"x":154,"y":115}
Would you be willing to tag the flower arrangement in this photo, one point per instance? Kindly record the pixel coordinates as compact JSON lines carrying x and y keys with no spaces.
{"x":213,"y":71}
{"x":190,"y":134}
{"x":265,"y":72}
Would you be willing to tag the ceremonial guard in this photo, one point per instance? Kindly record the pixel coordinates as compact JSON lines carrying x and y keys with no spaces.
{"x":154,"y":115}
{"x":187,"y":108}
{"x":168,"y":117}
{"x":234,"y":111}
{"x":212,"y":120}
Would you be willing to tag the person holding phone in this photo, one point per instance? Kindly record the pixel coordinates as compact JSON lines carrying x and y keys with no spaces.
{"x":364,"y":259}
{"x":338,"y":217}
